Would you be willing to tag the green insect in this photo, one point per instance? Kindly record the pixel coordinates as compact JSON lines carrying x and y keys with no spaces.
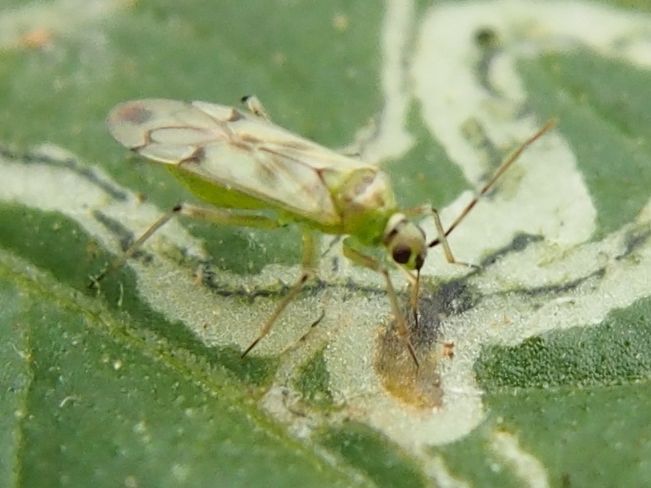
{"x":254,"y":173}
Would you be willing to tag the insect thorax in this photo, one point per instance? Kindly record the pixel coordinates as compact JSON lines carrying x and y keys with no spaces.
{"x":365,"y":202}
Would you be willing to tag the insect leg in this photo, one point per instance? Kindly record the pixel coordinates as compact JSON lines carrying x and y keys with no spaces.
{"x":226,"y":216}
{"x":506,"y":164}
{"x":449,"y":257}
{"x":212,"y":214}
{"x":309,"y":266}
{"x":371,"y":263}
{"x":442,"y":235}
{"x":137,"y":244}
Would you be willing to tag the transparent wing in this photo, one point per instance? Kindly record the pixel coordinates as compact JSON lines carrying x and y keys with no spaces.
{"x":237,"y":151}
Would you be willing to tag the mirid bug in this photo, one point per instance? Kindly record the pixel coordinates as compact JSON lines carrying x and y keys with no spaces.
{"x":254,"y":173}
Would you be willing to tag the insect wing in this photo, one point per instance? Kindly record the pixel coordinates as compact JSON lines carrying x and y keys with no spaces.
{"x":276,"y":140}
{"x":235,"y":150}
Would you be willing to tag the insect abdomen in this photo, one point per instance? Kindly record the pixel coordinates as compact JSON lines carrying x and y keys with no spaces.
{"x":215,"y":194}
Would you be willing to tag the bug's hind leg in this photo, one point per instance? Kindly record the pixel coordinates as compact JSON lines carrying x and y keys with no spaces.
{"x":255,"y":106}
{"x":309,"y":267}
{"x":212,"y":214}
{"x":135,"y":245}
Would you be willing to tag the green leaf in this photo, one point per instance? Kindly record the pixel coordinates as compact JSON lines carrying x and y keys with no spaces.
{"x":535,"y":367}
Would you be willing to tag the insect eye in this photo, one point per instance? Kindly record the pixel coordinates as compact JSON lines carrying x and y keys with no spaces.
{"x":401,"y":254}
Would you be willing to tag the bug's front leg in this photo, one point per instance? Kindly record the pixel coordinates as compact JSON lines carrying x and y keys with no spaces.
{"x":371,"y":263}
{"x":309,"y":265}
{"x":211,"y":214}
{"x":442,"y":239}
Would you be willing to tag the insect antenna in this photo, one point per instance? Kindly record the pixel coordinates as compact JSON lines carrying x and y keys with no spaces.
{"x":499,"y":172}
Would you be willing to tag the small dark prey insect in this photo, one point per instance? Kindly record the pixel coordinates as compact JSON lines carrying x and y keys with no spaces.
{"x":239,"y":162}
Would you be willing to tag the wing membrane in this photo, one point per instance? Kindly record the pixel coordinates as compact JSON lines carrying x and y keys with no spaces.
{"x":236,"y":150}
